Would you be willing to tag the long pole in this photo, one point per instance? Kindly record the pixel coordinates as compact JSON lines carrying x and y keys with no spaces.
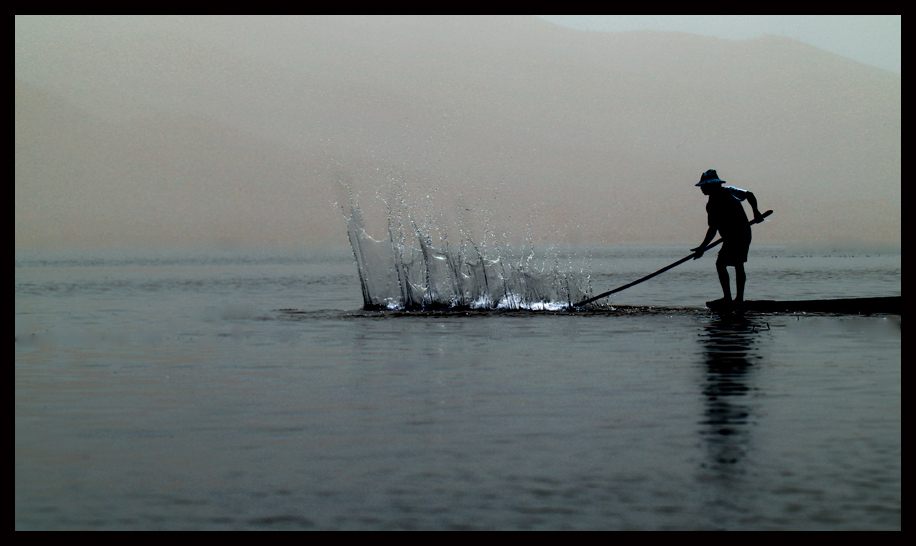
{"x":662,"y":270}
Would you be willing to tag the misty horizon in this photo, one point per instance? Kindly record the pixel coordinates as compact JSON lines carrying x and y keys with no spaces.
{"x":149,"y":135}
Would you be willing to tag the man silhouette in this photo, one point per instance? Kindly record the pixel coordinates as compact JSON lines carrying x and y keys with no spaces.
{"x":726,"y":215}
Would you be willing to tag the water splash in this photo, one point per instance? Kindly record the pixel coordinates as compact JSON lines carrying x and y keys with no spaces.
{"x":416,"y":267}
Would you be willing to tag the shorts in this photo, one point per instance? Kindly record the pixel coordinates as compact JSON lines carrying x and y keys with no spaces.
{"x":734,"y":250}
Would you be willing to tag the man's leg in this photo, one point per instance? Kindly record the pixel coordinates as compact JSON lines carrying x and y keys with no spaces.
{"x":739,"y":282}
{"x":724,"y":281}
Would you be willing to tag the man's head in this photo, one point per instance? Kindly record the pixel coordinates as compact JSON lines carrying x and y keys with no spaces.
{"x":709,"y":182}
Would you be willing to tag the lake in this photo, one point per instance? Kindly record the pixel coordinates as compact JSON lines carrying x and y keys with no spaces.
{"x":247,"y":389}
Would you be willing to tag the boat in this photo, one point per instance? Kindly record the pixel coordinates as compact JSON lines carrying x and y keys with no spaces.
{"x":844,"y":306}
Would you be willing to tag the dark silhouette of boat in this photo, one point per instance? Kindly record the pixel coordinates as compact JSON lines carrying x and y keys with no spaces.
{"x":850,"y":306}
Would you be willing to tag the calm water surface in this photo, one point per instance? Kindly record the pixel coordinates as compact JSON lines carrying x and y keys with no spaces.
{"x":246,"y":390}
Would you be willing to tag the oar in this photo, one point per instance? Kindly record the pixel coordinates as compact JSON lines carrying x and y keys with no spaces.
{"x":666,"y":268}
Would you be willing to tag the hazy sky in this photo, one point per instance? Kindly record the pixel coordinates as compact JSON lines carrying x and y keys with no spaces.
{"x":134,"y":130}
{"x":871,"y":39}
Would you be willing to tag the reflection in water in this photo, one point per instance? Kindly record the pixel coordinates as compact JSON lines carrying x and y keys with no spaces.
{"x":728,"y":342}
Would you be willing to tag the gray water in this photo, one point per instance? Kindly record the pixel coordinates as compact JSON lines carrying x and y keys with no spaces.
{"x":248,"y":390}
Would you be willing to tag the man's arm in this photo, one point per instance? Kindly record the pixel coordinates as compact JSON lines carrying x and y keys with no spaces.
{"x":753,"y":201}
{"x":710,"y":233}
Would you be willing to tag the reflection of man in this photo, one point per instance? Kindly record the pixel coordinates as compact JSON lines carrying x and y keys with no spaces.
{"x":728,"y":342}
{"x":726,"y":215}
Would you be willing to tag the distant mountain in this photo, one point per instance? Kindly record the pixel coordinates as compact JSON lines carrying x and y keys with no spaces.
{"x":238,"y":128}
{"x":176,"y":178}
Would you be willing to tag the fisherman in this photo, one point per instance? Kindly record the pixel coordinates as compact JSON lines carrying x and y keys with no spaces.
{"x":726,"y":215}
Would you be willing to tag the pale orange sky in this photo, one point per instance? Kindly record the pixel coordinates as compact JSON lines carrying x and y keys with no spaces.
{"x":135,"y":131}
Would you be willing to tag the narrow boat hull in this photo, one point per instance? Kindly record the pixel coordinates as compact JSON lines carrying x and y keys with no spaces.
{"x":852,"y":306}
